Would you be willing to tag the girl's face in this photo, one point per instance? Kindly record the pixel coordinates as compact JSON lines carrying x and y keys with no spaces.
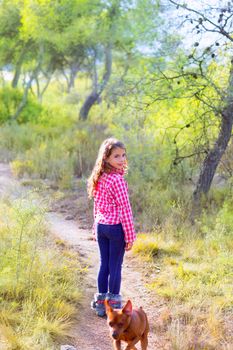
{"x":117,"y":159}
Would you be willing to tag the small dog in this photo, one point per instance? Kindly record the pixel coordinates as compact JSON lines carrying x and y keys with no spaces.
{"x":127,"y":324}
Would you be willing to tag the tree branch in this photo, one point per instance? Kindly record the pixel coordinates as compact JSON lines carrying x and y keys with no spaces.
{"x":219,"y":29}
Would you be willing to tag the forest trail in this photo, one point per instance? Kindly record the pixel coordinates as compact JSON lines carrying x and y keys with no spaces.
{"x":91,"y":332}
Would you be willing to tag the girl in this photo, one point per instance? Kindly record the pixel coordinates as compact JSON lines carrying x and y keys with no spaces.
{"x":113,"y":220}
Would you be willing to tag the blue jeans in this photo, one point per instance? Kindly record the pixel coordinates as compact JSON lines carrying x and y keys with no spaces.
{"x":112,"y":248}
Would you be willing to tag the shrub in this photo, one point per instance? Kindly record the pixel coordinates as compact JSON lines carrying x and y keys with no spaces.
{"x":224,"y":219}
{"x":10,"y":99}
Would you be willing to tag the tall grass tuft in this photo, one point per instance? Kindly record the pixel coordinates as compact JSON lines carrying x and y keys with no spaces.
{"x":40,"y":286}
{"x":193,"y":274}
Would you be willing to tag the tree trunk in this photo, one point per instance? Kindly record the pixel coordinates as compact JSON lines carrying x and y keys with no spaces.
{"x":74,"y":68}
{"x":15,"y":80}
{"x":212,"y":159}
{"x":18,"y":66}
{"x":40,"y":92}
{"x":28,"y":85}
{"x":97,"y":90}
{"x":25,"y":98}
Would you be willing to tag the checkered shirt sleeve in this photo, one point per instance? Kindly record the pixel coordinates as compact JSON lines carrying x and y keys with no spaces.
{"x":120,"y":191}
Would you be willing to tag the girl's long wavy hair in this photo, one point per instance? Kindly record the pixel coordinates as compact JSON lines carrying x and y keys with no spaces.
{"x":101,"y":165}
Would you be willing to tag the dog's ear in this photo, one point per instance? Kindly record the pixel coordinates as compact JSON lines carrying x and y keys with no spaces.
{"x":107,"y":306}
{"x":128,"y":308}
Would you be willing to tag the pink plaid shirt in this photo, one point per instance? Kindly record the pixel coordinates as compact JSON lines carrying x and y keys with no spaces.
{"x":111,"y":203}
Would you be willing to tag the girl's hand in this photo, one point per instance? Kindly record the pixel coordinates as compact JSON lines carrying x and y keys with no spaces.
{"x":128,"y":246}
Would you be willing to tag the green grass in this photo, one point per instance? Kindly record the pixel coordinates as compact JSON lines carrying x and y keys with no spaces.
{"x":195,"y":280}
{"x":40,"y":283}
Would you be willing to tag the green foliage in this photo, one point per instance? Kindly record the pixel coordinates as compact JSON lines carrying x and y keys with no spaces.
{"x":51,"y":150}
{"x":66,"y":20}
{"x":9,"y":101}
{"x":9,"y":31}
{"x":10,"y":145}
{"x":156,"y":184}
{"x":224,"y":219}
{"x":50,"y":160}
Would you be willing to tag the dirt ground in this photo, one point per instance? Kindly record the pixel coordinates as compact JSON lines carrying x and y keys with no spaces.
{"x":69,"y":219}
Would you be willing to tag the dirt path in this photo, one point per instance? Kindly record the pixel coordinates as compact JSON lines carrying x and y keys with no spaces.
{"x":91,"y":332}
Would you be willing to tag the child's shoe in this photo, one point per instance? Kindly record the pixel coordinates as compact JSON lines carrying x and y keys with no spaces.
{"x":98,"y":304}
{"x":115,"y":300}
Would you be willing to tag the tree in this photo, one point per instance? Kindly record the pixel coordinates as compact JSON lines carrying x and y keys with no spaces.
{"x":42,"y":37}
{"x":107,"y":35}
{"x":67,"y":30}
{"x":217,"y":20}
{"x":123,"y":28}
{"x":13,"y":49}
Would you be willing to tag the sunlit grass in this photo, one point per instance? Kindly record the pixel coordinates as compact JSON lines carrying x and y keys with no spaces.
{"x":146,"y":246}
{"x":195,"y":279}
{"x":40,"y":284}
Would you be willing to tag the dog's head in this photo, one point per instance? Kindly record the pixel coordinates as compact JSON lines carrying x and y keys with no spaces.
{"x":118,"y":320}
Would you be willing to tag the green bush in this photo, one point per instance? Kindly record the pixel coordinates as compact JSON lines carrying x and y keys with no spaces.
{"x":224,"y":219}
{"x":53,"y":152}
{"x":10,"y":99}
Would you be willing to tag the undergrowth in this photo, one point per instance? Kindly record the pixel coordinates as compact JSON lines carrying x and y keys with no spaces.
{"x":40,"y":284}
{"x":193,"y":272}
